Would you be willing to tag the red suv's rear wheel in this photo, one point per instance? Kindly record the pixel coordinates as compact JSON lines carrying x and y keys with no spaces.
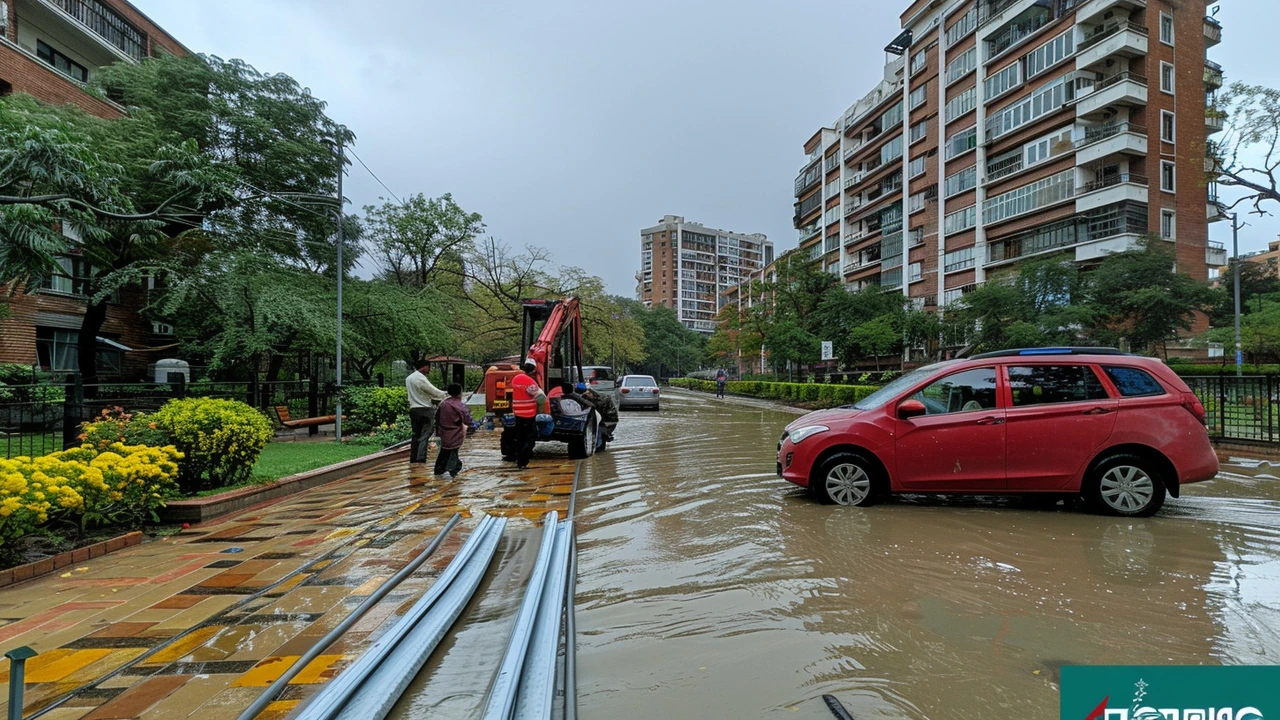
{"x":846,"y":479}
{"x":1124,"y":484}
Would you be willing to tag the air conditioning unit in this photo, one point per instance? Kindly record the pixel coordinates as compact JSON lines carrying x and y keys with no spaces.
{"x":160,"y":328}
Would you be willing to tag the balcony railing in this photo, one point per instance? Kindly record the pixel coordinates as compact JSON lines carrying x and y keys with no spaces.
{"x":106,"y":24}
{"x":1113,"y":180}
{"x":1215,"y":120}
{"x":1119,"y":78}
{"x":1212,"y":31}
{"x":1108,"y":31}
{"x":1004,"y":167}
{"x":1099,"y":133}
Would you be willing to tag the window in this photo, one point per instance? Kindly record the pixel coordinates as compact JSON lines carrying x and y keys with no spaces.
{"x":966,"y":391}
{"x":961,"y":259}
{"x":1166,"y":28}
{"x":891,"y":151}
{"x":1166,"y":78}
{"x":1051,"y":53}
{"x":962,"y":142}
{"x":962,"y":27}
{"x":919,"y":95}
{"x":1168,"y":224}
{"x":919,"y":60}
{"x":966,"y":179}
{"x":915,"y":203}
{"x":1167,"y":126}
{"x":962,"y":103}
{"x":950,"y":296}
{"x":1050,"y":384}
{"x":61,"y":63}
{"x":1132,"y":382}
{"x":1046,"y":100}
{"x":1003,"y":81}
{"x":57,"y":351}
{"x":918,"y":166}
{"x":919,"y":130}
{"x":960,"y":220}
{"x":1038,"y":194}
{"x":962,"y":65}
{"x":891,"y":117}
{"x":915,"y":271}
{"x":74,"y":277}
{"x":1168,"y":180}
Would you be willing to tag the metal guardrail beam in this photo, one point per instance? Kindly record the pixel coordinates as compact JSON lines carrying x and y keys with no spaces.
{"x":274,"y":690}
{"x":538,"y":676}
{"x":373,"y":684}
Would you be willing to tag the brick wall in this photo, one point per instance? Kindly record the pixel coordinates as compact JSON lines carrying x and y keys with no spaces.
{"x":124,"y":324}
{"x":28,"y":75}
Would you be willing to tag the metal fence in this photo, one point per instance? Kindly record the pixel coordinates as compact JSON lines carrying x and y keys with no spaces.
{"x":37,"y":419}
{"x":1239,"y":408}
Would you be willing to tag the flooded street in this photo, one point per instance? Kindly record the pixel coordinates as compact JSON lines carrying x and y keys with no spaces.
{"x":711,"y":588}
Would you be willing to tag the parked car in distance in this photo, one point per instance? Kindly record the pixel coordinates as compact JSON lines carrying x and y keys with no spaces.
{"x":637,"y":391}
{"x":1118,"y":430}
{"x":599,"y":378}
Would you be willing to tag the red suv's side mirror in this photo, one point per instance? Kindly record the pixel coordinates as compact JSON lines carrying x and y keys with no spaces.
{"x":911,"y":408}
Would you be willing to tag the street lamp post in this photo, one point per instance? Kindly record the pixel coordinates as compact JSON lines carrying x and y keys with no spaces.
{"x":337,"y":386}
{"x":1235,"y":287}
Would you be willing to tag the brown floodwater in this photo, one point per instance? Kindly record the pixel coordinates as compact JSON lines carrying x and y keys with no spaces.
{"x":708,"y":587}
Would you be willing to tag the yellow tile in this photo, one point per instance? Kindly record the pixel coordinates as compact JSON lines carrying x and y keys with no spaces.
{"x":267,"y":671}
{"x":370,"y":585}
{"x":278,"y":709}
{"x":318,"y":670}
{"x":184,"y":646}
{"x":64,"y":666}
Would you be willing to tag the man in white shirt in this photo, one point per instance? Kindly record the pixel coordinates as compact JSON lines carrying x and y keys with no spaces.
{"x":424,"y":397}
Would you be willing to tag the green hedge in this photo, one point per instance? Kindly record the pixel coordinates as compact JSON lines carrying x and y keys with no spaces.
{"x":1228,"y":369}
{"x":812,"y":393}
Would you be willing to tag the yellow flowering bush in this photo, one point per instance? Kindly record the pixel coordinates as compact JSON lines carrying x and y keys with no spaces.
{"x":219,"y":439}
{"x":121,"y":485}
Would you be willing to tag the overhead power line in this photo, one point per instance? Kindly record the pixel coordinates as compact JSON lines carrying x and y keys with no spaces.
{"x":375,"y":175}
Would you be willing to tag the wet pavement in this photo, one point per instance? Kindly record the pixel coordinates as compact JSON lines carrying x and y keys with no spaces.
{"x":198,"y":625}
{"x":709,"y":587}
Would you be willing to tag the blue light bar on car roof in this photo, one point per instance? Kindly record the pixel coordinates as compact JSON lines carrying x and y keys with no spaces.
{"x":1045,"y":351}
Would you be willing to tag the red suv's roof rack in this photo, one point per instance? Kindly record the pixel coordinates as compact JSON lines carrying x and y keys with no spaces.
{"x":1051,"y":351}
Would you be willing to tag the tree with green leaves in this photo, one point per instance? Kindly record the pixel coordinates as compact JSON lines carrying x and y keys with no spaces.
{"x":1036,"y":304}
{"x":383,"y":321}
{"x":418,"y":239}
{"x":1137,"y":295}
{"x":670,"y":348}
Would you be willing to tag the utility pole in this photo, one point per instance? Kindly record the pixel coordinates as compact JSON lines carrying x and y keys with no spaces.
{"x":1235,"y":287}
{"x":342,"y":203}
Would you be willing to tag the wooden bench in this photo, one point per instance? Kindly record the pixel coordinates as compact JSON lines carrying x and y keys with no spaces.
{"x":312,"y":424}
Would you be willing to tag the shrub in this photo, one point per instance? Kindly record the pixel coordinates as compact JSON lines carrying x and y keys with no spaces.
{"x":220,"y":439}
{"x":123,"y":485}
{"x":115,"y":425}
{"x":366,"y":408}
{"x":387,"y":434}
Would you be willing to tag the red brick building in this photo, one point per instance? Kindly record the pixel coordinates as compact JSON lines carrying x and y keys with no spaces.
{"x":50,"y":49}
{"x":1007,"y":129}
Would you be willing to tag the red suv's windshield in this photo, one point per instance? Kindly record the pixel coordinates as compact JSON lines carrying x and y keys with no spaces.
{"x":893,"y":389}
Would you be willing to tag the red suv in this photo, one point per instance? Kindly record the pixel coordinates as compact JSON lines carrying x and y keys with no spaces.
{"x":1118,"y":429}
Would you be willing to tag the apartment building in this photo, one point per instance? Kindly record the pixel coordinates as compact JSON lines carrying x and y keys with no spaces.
{"x":1009,"y":129}
{"x":685,"y":266}
{"x":50,"y":49}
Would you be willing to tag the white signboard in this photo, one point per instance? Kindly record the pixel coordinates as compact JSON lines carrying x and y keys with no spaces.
{"x":828,"y":352}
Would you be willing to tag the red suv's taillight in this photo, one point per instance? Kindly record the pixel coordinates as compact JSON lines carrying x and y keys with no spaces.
{"x":1193,"y":406}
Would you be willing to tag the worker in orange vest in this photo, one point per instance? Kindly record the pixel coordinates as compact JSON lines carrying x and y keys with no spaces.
{"x":527,"y":400}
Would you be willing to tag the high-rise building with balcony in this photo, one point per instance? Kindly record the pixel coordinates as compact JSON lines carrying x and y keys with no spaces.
{"x":686,"y":265}
{"x":50,"y":49}
{"x":1007,"y":129}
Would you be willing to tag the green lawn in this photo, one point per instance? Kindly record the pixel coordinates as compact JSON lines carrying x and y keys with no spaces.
{"x":279,"y":459}
{"x":30,"y":444}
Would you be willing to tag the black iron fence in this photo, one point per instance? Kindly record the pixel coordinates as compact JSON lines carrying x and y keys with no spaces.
{"x":37,"y":419}
{"x":1239,"y":408}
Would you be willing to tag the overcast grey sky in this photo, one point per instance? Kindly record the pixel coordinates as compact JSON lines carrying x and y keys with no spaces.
{"x":571,"y":125}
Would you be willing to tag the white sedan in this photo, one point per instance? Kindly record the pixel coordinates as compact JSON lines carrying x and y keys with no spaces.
{"x":636,"y":391}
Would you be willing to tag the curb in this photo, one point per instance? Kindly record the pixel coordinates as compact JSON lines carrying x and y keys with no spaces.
{"x":204,"y":509}
{"x":49,"y":565}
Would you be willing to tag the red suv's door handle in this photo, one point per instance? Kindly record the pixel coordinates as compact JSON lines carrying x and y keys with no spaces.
{"x":1097,"y":411}
{"x":991,"y":421}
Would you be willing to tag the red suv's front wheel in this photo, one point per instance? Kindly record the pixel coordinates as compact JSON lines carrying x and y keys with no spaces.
{"x":1124,"y":484}
{"x":846,"y":479}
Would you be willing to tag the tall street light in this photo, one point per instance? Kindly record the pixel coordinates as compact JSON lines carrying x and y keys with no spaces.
{"x":337,"y":386}
{"x":1235,"y":287}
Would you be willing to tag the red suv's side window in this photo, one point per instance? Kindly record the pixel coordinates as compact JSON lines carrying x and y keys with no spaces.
{"x":1047,"y":384}
{"x":966,"y":391}
{"x":1132,"y":382}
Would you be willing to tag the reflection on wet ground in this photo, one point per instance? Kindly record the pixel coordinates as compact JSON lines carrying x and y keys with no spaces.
{"x":708,"y":587}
